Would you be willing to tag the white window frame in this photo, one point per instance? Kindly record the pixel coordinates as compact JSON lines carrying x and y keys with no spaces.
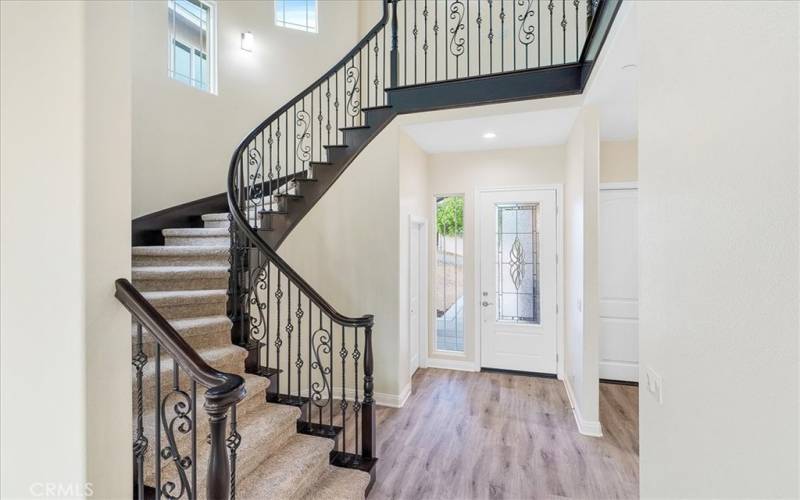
{"x":280,"y":17}
{"x":211,"y":55}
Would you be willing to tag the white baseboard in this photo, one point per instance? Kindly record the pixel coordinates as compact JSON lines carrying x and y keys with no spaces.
{"x":585,"y":427}
{"x":453,"y":364}
{"x":381,"y":398}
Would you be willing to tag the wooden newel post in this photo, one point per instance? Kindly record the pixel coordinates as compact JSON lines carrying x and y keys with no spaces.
{"x":368,"y":406}
{"x":393,"y":55}
{"x":218,"y":475}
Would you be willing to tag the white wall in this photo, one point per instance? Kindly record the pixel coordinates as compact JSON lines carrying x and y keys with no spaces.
{"x":183,"y":137}
{"x":347,"y":248}
{"x":65,"y":155}
{"x":618,"y":161}
{"x":718,"y":197}
{"x":463,"y":173}
{"x":413,"y":202}
{"x":581,"y":302}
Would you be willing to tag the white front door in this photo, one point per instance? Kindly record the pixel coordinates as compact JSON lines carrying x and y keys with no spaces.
{"x":619,"y":285}
{"x":518,"y":280}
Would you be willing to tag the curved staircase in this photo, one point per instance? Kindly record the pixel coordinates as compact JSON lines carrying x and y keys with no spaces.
{"x":222,"y":320}
{"x":187,"y":282}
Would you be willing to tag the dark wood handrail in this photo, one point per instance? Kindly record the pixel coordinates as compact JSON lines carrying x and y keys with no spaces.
{"x":241,"y":221}
{"x":224,"y":389}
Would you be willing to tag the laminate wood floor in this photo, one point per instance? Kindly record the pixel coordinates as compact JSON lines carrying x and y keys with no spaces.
{"x":494,"y":435}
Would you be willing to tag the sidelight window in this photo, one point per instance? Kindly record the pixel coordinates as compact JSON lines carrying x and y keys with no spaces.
{"x":191,"y":44}
{"x":449,"y":273}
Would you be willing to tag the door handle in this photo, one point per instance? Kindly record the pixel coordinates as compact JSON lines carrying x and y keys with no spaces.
{"x":486,"y":304}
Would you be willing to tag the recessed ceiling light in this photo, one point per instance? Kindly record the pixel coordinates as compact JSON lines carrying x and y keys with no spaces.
{"x":629,"y":67}
{"x":489,"y":135}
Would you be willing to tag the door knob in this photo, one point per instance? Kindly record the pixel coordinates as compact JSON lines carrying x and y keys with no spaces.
{"x":486,"y":304}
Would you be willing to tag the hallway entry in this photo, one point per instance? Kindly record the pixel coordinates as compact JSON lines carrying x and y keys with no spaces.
{"x":518,"y":268}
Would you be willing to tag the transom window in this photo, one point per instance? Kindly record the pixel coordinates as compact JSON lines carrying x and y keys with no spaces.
{"x":296,"y":14}
{"x":191,"y":43}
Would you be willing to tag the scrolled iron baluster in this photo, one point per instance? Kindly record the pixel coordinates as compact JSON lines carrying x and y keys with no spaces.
{"x":303,"y":150}
{"x":425,"y":40}
{"x":182,"y":423}
{"x":527,"y":31}
{"x":456,"y":14}
{"x":502,"y":35}
{"x":356,"y":403}
{"x":322,"y":342}
{"x":550,"y":7}
{"x":353,"y":91}
{"x":343,"y":402}
{"x":576,"y":4}
{"x":490,"y":36}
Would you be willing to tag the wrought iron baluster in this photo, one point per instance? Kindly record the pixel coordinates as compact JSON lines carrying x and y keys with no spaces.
{"x":446,"y":31}
{"x":564,"y":30}
{"x":490,"y":36}
{"x":294,"y":138}
{"x":331,"y":365}
{"x":158,"y":420}
{"x":327,"y":115}
{"x":514,"y":29}
{"x":298,"y":363}
{"x":414,"y":33}
{"x":405,"y":44}
{"x":233,"y":441}
{"x":139,"y":361}
{"x":479,"y":21}
{"x":356,"y":403}
{"x":539,"y":29}
{"x":180,"y":422}
{"x":376,"y":81}
{"x":278,"y":339}
{"x":268,"y":302}
{"x":502,"y":35}
{"x":289,"y":330}
{"x":194,"y":436}
{"x":550,"y":8}
{"x":466,"y":25}
{"x":319,"y":127}
{"x":343,"y":403}
{"x":336,"y":103}
{"x":436,"y":40}
{"x":526,"y":34}
{"x":425,"y":40}
{"x":271,"y":175}
{"x":576,"y":3}
{"x":457,"y":42}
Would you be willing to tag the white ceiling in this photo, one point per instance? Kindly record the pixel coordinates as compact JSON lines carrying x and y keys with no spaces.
{"x":613,"y":89}
{"x":529,"y":129}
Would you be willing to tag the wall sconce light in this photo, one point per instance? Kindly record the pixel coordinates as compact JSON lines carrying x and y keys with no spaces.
{"x":247,"y":41}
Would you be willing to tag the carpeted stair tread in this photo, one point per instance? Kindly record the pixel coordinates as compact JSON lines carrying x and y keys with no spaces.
{"x":196,"y":231}
{"x":200,"y":332}
{"x":290,"y":472}
{"x":178,"y":250}
{"x":340,"y":484}
{"x":264,"y":433}
{"x":178,"y":272}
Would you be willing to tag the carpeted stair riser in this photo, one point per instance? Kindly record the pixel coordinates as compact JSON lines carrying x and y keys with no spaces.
{"x":340,"y":483}
{"x":181,"y":256}
{"x":196,"y":240}
{"x":263,"y":434}
{"x":229,"y":359}
{"x":291,"y":473}
{"x":163,"y":285}
{"x":189,"y":304}
{"x":206,"y":336}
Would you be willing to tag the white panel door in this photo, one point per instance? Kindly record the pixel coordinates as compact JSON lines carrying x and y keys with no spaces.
{"x":518,"y":280}
{"x":619,"y":285}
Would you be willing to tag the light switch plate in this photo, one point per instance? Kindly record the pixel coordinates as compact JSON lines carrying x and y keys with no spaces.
{"x":654,"y":384}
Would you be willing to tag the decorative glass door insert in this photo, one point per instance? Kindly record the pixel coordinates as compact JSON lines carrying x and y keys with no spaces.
{"x":517,"y":285}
